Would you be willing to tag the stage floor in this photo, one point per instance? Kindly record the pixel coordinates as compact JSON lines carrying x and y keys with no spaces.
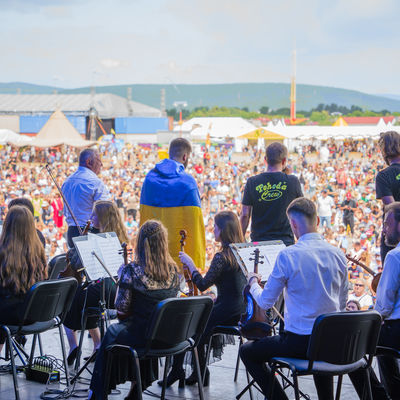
{"x":221,"y":383}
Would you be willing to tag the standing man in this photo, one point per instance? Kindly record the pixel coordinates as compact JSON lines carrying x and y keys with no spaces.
{"x":266,"y":197}
{"x":348,"y":207}
{"x":325,"y":204}
{"x":81,"y":190}
{"x":171,"y":195}
{"x":313,"y":277}
{"x":388,"y":180}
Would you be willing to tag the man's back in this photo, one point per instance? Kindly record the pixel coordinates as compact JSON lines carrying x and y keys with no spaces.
{"x":269,"y":194}
{"x":171,"y":195}
{"x":314,"y":275}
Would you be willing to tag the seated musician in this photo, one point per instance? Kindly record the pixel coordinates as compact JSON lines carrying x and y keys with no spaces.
{"x":224,"y":272}
{"x":105,"y":218}
{"x":313,"y":277}
{"x":388,"y":305}
{"x":151,"y":278}
{"x":22,"y":264}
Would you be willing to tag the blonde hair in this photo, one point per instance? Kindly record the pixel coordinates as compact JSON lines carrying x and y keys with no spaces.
{"x":110,"y":219}
{"x":22,"y":256}
{"x":152,"y":251}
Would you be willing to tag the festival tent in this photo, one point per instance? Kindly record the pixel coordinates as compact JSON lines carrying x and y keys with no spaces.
{"x":58,"y":131}
{"x":262,"y":133}
{"x":7,"y":136}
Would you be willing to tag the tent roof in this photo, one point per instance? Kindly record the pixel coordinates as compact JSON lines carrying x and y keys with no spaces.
{"x":340,"y":122}
{"x":9,"y":136}
{"x":217,"y":127}
{"x":107,"y":105}
{"x":58,"y":131}
{"x":262,"y":133}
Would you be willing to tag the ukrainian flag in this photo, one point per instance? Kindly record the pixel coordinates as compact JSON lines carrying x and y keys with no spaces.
{"x":171,"y":196}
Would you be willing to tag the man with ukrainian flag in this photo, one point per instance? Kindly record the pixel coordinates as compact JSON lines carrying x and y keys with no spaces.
{"x":170,"y":195}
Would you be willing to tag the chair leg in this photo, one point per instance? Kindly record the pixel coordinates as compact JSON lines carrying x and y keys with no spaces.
{"x":40,"y":345}
{"x":238,"y":360}
{"x":165,"y":374}
{"x":368,"y":384}
{"x":32,"y":349}
{"x":339,"y":387}
{"x":296,"y":386}
{"x":14,"y":369}
{"x":64,"y":354}
{"x":198,"y":373}
{"x":207,"y":356}
{"x":79,"y":354}
{"x":138,"y":377}
{"x":272,"y":381}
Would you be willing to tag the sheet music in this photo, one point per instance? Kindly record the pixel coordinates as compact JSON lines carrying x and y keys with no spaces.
{"x":268,"y":250}
{"x":106,"y":246}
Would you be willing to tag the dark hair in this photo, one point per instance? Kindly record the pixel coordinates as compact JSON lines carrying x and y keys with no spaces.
{"x":305,"y":207}
{"x":389,"y":143}
{"x":275,"y":153}
{"x":22,"y":201}
{"x":395,"y":209}
{"x":178,"y":147}
{"x":85,"y":155}
{"x":230,"y":232}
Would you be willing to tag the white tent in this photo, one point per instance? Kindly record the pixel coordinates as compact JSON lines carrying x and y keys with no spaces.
{"x":58,"y":131}
{"x":8,"y":136}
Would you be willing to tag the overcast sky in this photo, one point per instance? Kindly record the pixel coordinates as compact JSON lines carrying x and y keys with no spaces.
{"x":352,"y":44}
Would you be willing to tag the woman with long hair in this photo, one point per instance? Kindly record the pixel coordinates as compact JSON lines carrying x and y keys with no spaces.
{"x":225,"y":274}
{"x":22,"y":264}
{"x":151,"y":278}
{"x":106,"y":218}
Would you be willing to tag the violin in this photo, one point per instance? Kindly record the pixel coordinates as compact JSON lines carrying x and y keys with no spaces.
{"x":376,"y":277}
{"x":125,"y":252}
{"x":254,"y":323}
{"x":193,"y":291}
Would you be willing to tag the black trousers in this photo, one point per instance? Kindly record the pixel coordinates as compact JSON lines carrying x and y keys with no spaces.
{"x":255,"y":355}
{"x":388,"y":366}
{"x":349,"y":220}
{"x":73,"y":231}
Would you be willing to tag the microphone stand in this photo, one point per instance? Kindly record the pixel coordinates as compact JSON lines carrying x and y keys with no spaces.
{"x":103,"y":322}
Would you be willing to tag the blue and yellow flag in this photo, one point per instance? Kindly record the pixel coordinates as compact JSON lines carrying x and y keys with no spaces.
{"x":171,"y":196}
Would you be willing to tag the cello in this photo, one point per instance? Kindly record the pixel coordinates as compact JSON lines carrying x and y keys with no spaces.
{"x":193,"y":291}
{"x":254,"y":323}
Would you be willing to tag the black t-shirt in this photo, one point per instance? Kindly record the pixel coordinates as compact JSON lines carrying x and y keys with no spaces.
{"x":269,"y":194}
{"x":349,"y":213}
{"x":388,"y":182}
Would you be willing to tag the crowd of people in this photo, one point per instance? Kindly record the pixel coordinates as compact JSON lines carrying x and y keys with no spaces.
{"x":330,"y":201}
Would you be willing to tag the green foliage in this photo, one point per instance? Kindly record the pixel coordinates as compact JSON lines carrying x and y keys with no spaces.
{"x":322,"y":117}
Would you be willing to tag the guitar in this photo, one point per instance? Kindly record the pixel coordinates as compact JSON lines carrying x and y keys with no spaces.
{"x":376,"y":277}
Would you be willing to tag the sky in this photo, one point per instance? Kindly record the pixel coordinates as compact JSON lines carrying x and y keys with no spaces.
{"x":352,"y":44}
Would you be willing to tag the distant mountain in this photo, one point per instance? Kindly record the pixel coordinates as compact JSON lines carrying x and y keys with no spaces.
{"x":251,"y":95}
{"x":390,"y":96}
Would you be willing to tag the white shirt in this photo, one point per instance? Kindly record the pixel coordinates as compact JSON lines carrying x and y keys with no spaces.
{"x":388,"y":292}
{"x":313,"y":276}
{"x":81,"y":190}
{"x":325,"y":205}
{"x":365,"y":300}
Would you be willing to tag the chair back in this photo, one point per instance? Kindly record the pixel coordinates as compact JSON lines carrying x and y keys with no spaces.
{"x":344,"y":337}
{"x":177,"y":320}
{"x":49,"y":299}
{"x":56,"y":265}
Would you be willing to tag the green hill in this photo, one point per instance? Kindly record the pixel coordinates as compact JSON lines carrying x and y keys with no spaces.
{"x":251,"y":95}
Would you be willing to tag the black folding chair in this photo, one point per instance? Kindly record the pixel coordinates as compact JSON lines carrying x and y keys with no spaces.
{"x":340,"y":343}
{"x":46,"y":304}
{"x":56,"y":265}
{"x":176,"y":326}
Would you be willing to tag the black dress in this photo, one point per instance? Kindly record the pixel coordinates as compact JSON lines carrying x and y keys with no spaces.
{"x":229,"y":305}
{"x":12,"y":308}
{"x":139,"y":296}
{"x":230,"y":283}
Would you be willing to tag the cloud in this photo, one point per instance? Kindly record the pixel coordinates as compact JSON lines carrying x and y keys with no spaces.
{"x":111,"y":63}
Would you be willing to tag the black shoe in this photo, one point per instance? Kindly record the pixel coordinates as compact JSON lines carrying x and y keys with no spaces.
{"x":92,"y":356}
{"x":192,"y":380}
{"x":72,"y":356}
{"x":173,"y":376}
{"x":21,"y":339}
